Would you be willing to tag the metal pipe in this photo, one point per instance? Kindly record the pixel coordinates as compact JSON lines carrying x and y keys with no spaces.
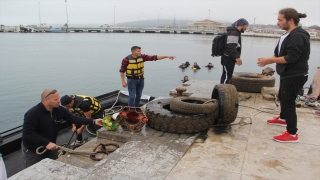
{"x":39,"y":15}
{"x":114,"y":16}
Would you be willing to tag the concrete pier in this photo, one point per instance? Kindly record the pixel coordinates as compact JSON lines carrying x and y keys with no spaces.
{"x":241,"y":151}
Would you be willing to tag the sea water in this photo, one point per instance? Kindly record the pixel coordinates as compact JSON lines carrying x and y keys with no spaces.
{"x":89,"y":63}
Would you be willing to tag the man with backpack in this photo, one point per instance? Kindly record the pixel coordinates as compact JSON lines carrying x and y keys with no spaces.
{"x":232,"y":50}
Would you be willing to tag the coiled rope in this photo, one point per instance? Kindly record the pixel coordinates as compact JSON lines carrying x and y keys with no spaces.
{"x":211,"y":100}
{"x":110,"y":110}
{"x":78,"y":152}
{"x":92,"y":154}
{"x":242,"y":120}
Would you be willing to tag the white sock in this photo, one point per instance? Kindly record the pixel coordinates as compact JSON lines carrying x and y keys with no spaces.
{"x":281,"y":119}
{"x":293,"y":135}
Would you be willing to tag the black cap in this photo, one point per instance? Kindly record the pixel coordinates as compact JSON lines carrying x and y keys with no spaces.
{"x":65,"y":100}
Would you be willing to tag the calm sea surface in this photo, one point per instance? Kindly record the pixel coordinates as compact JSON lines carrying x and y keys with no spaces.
{"x":88,"y":63}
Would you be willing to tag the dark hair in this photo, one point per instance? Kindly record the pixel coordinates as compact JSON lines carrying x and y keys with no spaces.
{"x":135,"y":47}
{"x":292,"y":13}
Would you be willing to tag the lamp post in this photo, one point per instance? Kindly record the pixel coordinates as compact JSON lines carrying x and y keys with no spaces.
{"x":159,"y":16}
{"x":114,"y":16}
{"x":209,"y":15}
{"x":39,"y":14}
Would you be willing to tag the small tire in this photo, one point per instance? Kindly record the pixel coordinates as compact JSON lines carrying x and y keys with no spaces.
{"x":193,"y":106}
{"x":228,"y":103}
{"x":251,"y":82}
{"x":161,"y":118}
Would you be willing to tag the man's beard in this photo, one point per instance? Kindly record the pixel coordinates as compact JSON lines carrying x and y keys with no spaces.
{"x":286,"y":26}
{"x":242,"y":31}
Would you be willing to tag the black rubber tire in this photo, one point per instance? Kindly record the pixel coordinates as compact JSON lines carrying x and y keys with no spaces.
{"x":228,"y":103}
{"x":251,"y":82}
{"x":193,"y":106}
{"x":161,"y":118}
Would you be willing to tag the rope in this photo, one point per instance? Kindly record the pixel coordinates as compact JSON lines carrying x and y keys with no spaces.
{"x":103,"y":150}
{"x":107,"y":111}
{"x":242,"y":122}
{"x":211,"y":100}
{"x":261,"y":109}
{"x":275,"y":99}
{"x":110,"y":111}
{"x":78,"y":152}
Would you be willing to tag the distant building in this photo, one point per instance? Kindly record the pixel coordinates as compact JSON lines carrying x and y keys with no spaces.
{"x":313,"y":32}
{"x":207,"y":25}
{"x":278,"y":31}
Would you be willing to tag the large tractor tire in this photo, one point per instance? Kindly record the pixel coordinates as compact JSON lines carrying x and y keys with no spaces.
{"x":160,"y":117}
{"x":251,"y":82}
{"x":193,"y":106}
{"x":228,"y":103}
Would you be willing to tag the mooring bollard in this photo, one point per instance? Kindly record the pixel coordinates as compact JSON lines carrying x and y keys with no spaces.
{"x":180,"y":90}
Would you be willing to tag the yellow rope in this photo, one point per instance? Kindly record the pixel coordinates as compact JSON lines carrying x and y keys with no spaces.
{"x":211,"y":100}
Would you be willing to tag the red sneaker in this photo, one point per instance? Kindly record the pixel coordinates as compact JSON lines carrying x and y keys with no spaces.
{"x":276,"y":121}
{"x":286,"y":137}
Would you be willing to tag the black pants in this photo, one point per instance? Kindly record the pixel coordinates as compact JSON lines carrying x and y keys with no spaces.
{"x":31,"y":157}
{"x":97,"y":115}
{"x":227,"y":69}
{"x":288,"y":92}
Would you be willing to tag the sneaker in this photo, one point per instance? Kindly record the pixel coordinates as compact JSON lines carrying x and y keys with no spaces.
{"x":286,"y":137}
{"x":317,"y":113}
{"x":276,"y":121}
{"x":79,"y":143}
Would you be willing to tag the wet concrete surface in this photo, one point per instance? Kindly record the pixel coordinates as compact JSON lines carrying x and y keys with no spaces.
{"x":241,"y":152}
{"x":148,"y":154}
{"x":248,"y":152}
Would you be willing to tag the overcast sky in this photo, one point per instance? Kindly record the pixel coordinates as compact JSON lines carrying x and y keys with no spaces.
{"x":26,"y":12}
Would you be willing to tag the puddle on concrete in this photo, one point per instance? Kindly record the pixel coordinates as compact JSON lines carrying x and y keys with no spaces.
{"x":272,"y":163}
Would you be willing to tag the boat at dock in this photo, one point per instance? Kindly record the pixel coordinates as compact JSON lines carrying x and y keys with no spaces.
{"x":59,"y":29}
{"x":10,"y":140}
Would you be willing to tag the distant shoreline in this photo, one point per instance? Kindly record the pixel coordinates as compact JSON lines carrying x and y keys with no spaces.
{"x":250,"y":34}
{"x":11,"y":29}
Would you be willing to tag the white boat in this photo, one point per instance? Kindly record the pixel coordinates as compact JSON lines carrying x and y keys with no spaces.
{"x":59,"y":29}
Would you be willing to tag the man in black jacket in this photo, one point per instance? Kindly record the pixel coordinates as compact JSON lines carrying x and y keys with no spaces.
{"x":291,"y":56}
{"x":232,"y":52}
{"x":41,"y":127}
{"x":85,"y":106}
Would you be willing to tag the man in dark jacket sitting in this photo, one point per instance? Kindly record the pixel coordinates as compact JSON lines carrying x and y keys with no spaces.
{"x":41,"y":127}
